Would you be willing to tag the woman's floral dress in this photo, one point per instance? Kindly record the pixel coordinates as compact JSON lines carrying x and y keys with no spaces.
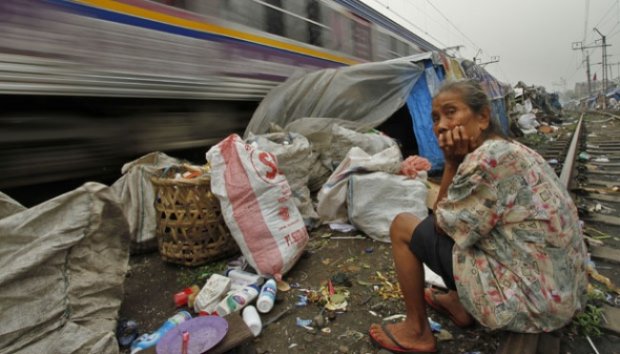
{"x":519,"y":255}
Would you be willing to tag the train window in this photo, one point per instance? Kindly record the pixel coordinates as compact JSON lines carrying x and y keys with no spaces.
{"x":362,"y":46}
{"x":313,"y":9}
{"x":273,"y":17}
{"x":340,"y":31}
{"x":204,"y":7}
{"x":244,"y":12}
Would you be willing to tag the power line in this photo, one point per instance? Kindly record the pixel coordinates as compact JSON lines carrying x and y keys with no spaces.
{"x":607,"y":13}
{"x":585,"y":26}
{"x":453,"y":25}
{"x":410,"y":23}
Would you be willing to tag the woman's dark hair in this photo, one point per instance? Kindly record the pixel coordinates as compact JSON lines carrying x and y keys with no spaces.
{"x":476,"y":99}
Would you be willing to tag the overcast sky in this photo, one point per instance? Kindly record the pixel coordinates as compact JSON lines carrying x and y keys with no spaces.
{"x":533,"y":38}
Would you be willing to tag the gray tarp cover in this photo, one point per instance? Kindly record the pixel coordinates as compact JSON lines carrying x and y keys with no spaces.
{"x":63,"y":264}
{"x":366,"y":93}
{"x":137,"y":195}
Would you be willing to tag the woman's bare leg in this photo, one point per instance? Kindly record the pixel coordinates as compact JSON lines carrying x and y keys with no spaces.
{"x":414,"y":332}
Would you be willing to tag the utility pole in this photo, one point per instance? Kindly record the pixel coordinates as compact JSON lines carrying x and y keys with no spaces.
{"x":579,"y":46}
{"x":604,"y":40}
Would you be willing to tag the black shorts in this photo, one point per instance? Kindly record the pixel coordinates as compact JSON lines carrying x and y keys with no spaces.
{"x":434,"y":249}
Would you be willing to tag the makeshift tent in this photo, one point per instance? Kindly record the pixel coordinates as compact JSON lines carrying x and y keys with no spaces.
{"x":493,"y":88}
{"x":366,"y":95}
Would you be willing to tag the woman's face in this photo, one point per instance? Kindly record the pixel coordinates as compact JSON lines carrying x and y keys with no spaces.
{"x":450,"y":111}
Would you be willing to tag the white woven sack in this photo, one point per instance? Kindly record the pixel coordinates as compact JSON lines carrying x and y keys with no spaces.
{"x":257,"y":206}
{"x":374,"y":200}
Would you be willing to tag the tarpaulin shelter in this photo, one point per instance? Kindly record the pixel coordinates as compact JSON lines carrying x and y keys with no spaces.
{"x":366,"y":95}
{"x":493,"y":88}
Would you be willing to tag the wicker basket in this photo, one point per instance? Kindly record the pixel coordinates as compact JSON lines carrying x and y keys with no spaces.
{"x":190,"y":227}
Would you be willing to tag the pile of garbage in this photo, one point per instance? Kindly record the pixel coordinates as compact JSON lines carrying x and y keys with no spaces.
{"x":535,"y":110}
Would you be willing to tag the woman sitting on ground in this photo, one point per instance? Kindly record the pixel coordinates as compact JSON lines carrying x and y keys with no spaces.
{"x":504,"y":236}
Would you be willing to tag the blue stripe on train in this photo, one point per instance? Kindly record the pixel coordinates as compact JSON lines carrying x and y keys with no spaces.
{"x":168,"y":28}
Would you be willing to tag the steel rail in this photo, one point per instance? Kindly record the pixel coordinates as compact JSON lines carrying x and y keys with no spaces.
{"x":569,"y":162}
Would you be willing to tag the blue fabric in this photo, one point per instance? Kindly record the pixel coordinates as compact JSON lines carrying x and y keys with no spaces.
{"x":498,"y":109}
{"x":419,"y":104}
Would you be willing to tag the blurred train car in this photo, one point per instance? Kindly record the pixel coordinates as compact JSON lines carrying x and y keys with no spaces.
{"x":86,"y":85}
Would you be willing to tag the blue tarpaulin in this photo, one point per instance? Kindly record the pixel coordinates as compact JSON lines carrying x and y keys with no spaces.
{"x":419,"y":103}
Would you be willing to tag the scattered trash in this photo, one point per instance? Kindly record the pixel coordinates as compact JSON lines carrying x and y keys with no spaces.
{"x":435,"y":326}
{"x":252,"y":319}
{"x":319,"y":320}
{"x":302,"y":301}
{"x":356,"y":237}
{"x":341,"y":279}
{"x":601,"y":159}
{"x":267,"y":296}
{"x":444,"y":335}
{"x":149,"y":340}
{"x":592,"y":345}
{"x":341,"y":227}
{"x":353,"y":334}
{"x":304,"y":323}
{"x":182,"y":298}
{"x":552,"y":162}
{"x":369,"y":250}
{"x":283,"y":286}
{"x":239,"y":263}
{"x":394,"y":317}
{"x":240,"y":279}
{"x":373,"y":313}
{"x":209,"y":296}
{"x":583,"y":156}
{"x":326,"y":330}
{"x":126,"y":332}
{"x":237,"y":300}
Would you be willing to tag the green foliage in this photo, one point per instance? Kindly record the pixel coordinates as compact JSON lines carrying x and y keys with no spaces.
{"x":199,"y":275}
{"x":589,"y":321}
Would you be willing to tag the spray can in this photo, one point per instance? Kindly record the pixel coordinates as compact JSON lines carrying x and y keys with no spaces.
{"x":240,"y":279}
{"x":148,"y":340}
{"x":267,"y":296}
{"x":237,"y":300}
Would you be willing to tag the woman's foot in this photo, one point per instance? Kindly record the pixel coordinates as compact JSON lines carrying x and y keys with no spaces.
{"x":449,"y":305}
{"x":398,"y":337}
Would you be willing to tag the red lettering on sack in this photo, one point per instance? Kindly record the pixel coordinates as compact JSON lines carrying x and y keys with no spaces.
{"x":284,"y":214}
{"x":267,"y":159}
{"x":296,"y":236}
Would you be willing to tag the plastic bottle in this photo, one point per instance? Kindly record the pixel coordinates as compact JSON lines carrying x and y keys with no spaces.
{"x":208,"y":298}
{"x":148,"y":340}
{"x":267,"y":296}
{"x":252,"y":319}
{"x":237,"y":300}
{"x":240,"y":279}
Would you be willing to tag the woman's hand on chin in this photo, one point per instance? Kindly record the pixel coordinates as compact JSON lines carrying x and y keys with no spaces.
{"x":455,"y":144}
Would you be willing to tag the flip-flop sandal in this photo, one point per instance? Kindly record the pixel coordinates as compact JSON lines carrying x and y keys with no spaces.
{"x":429,"y":297}
{"x":399,"y":348}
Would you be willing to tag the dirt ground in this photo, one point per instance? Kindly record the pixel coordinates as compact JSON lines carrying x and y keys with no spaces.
{"x":368,"y":267}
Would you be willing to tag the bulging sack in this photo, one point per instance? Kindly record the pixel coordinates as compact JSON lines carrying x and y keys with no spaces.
{"x":257,"y":206}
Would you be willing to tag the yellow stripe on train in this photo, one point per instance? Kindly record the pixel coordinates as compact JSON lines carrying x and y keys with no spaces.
{"x":211,"y":28}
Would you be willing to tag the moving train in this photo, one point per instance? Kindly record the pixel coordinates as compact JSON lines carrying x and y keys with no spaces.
{"x":88,"y":84}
